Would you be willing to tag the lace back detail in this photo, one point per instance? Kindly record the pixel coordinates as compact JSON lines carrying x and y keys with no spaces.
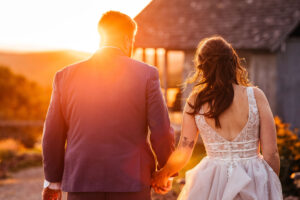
{"x":244,"y":146}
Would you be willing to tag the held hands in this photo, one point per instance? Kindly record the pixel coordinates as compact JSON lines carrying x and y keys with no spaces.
{"x":50,"y":194}
{"x":52,"y":191}
{"x":161,"y":183}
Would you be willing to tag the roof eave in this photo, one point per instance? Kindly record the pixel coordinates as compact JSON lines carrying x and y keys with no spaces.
{"x":284,"y":37}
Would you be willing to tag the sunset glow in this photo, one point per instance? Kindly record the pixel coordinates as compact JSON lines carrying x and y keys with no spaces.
{"x":57,"y":24}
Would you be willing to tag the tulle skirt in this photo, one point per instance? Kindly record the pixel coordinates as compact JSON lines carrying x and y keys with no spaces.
{"x":251,"y":179}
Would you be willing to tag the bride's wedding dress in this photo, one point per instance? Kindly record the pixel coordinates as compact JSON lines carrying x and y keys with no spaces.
{"x":232,"y":169}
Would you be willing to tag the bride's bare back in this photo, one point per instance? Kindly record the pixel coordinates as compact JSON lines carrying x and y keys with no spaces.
{"x":235,"y":117}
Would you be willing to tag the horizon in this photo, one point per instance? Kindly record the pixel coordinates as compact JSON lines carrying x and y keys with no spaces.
{"x":37,"y":29}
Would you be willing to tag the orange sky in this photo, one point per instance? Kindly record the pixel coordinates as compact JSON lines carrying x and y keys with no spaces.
{"x":57,"y":24}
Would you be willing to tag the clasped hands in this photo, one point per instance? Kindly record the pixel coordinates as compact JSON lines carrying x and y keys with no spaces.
{"x":52,"y":192}
{"x":161,"y":183}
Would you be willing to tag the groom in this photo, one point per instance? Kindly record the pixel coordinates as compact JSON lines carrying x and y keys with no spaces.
{"x":95,"y":140}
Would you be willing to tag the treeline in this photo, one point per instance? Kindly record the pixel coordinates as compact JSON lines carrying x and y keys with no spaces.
{"x":21,"y":99}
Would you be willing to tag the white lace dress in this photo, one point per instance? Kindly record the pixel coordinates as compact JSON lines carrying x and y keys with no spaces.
{"x":232,"y":169}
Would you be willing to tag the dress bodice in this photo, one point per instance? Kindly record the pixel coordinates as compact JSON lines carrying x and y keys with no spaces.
{"x":244,"y":146}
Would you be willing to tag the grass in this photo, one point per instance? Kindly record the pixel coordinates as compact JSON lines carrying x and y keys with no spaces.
{"x":14,"y":157}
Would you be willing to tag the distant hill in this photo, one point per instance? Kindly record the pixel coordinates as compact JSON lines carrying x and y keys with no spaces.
{"x":40,"y":66}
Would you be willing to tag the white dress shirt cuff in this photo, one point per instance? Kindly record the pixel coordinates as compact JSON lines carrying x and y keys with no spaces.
{"x":53,"y":186}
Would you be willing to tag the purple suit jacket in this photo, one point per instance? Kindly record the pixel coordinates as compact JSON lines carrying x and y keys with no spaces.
{"x":95,"y":135}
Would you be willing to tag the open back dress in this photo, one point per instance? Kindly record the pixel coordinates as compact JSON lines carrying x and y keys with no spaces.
{"x":232,"y":169}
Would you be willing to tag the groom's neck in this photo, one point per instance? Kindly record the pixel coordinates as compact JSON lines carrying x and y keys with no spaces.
{"x":118,"y":44}
{"x":112,"y":44}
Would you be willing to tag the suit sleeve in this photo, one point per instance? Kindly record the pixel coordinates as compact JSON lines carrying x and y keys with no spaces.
{"x":54,"y":137}
{"x":162,"y":134}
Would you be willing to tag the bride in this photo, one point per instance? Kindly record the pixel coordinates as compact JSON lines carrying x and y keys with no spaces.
{"x":236,"y":124}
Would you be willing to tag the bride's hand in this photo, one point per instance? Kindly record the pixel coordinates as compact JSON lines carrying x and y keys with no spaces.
{"x":160,"y":182}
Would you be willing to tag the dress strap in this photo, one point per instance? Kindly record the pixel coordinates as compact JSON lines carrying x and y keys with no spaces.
{"x":251,"y":101}
{"x":201,"y":116}
{"x":251,"y":97}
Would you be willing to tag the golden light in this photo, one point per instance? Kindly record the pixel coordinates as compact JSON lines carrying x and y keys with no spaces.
{"x":56,"y":24}
{"x":175,"y":62}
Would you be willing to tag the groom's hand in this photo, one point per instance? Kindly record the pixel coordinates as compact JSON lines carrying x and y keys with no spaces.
{"x":50,"y":194}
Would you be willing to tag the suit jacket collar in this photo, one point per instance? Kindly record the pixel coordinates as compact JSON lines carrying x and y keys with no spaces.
{"x":110,"y":50}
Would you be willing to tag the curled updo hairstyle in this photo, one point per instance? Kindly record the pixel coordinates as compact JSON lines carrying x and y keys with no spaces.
{"x":217,"y":68}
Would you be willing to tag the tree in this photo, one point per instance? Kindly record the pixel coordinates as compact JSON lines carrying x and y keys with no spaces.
{"x":289,"y":150}
{"x":21,"y":99}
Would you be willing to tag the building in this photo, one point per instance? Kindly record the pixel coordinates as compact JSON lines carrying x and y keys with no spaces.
{"x":265,"y":33}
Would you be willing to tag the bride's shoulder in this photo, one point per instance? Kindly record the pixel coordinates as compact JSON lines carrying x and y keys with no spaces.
{"x":258,"y":93}
{"x":192,"y":97}
{"x":190,"y":102}
{"x":260,"y":97}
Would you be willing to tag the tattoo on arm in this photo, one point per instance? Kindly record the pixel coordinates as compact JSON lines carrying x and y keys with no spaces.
{"x":187,"y":143}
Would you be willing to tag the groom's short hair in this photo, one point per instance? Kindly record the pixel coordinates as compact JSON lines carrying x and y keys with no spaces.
{"x":115,"y":24}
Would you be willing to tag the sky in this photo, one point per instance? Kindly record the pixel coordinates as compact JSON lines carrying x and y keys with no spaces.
{"x":57,"y":24}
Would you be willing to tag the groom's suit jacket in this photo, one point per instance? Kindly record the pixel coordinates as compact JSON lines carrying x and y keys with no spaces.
{"x":95,"y":136}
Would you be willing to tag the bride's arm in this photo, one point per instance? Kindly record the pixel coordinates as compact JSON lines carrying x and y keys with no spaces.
{"x":180,"y":157}
{"x":268,"y":139}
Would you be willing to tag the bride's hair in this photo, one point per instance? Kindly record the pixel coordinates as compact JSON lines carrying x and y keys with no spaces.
{"x":217,"y":67}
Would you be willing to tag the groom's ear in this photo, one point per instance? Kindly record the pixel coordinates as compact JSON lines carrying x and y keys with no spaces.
{"x":128,"y":44}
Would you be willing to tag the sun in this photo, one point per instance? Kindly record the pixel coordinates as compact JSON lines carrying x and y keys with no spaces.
{"x":57,"y":24}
